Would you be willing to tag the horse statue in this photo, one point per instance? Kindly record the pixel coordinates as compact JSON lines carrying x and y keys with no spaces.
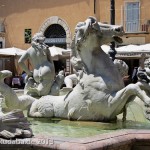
{"x":100,"y":94}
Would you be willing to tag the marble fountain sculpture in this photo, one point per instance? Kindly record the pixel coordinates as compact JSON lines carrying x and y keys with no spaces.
{"x":100,"y":94}
{"x":41,"y":81}
{"x":14,"y":123}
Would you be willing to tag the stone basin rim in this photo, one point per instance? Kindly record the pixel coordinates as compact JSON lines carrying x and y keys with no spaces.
{"x":113,"y":139}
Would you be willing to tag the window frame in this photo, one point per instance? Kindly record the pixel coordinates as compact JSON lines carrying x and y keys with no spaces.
{"x":125,"y":16}
{"x":28,"y":32}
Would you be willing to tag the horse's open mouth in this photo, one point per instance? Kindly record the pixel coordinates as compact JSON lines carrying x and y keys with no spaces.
{"x":118,"y":39}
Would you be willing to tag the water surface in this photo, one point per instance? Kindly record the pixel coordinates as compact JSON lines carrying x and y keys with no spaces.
{"x":58,"y":127}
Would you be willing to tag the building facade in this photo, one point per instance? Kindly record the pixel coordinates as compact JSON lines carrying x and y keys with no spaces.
{"x":134,"y":16}
{"x":20,"y":20}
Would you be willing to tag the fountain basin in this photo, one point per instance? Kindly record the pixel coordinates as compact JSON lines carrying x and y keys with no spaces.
{"x":123,"y":140}
{"x":54,"y":133}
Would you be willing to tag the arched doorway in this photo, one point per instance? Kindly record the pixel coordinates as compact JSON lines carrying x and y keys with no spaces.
{"x":55,"y":36}
{"x":57,"y":33}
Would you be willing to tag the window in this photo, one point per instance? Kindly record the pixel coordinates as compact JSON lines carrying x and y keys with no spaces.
{"x":132,"y":16}
{"x":27,"y":35}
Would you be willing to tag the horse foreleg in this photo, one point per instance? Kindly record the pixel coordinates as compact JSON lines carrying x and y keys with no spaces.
{"x":144,"y":86}
{"x":122,"y":97}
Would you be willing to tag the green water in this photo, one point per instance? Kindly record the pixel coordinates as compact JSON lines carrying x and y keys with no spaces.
{"x":66,"y":128}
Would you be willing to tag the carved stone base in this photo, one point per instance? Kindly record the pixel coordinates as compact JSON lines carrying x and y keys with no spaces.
{"x":14,"y":124}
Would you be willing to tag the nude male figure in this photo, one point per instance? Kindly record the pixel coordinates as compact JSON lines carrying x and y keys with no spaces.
{"x":39,"y":80}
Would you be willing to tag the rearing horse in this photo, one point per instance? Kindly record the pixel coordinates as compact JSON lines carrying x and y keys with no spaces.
{"x":100,"y":94}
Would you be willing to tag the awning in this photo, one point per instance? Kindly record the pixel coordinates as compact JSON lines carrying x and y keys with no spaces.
{"x":130,"y":51}
{"x":12,"y":51}
{"x":58,"y":53}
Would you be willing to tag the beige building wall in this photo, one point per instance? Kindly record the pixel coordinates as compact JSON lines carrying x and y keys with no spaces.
{"x":18,"y":15}
{"x":135,"y":38}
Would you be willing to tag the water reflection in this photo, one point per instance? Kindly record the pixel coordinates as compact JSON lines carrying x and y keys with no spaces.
{"x":58,"y":127}
{"x":66,"y":128}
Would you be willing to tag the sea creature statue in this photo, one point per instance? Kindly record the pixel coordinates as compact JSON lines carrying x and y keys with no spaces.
{"x":14,"y":123}
{"x":100,"y":94}
{"x":12,"y":101}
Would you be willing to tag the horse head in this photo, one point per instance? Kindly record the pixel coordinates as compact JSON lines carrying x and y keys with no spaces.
{"x":92,"y":33}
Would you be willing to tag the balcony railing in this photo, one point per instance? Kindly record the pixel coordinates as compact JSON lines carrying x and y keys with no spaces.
{"x":136,"y":27}
{"x":144,"y":27}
